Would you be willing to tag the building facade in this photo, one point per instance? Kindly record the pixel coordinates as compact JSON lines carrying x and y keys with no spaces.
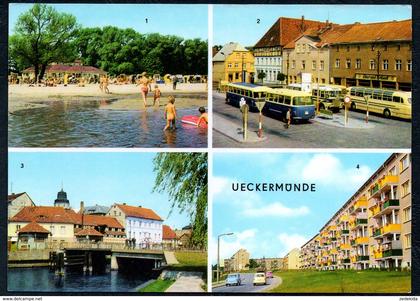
{"x":270,"y":264}
{"x":238,"y":262}
{"x":373,"y":228}
{"x":269,"y":50}
{"x":141,"y":224}
{"x":233,"y":63}
{"x":292,"y":259}
{"x":62,"y":200}
{"x":15,"y":203}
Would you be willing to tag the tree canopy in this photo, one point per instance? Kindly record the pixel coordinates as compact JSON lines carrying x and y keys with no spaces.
{"x":184,"y":177}
{"x":42,"y":36}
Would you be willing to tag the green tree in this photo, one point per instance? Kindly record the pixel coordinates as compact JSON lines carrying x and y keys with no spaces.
{"x":184,"y":177}
{"x":261,"y":76}
{"x":281,"y":76}
{"x":42,"y":36}
{"x":253,"y":264}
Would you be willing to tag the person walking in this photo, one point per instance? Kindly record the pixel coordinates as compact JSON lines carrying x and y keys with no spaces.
{"x":288,"y":118}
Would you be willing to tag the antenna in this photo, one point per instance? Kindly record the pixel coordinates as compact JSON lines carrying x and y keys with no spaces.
{"x":62,"y":185}
{"x":11,"y":187}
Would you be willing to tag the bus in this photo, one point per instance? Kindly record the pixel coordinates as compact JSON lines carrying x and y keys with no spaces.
{"x":331,"y":97}
{"x":250,"y":92}
{"x":278,"y":102}
{"x":382,"y":101}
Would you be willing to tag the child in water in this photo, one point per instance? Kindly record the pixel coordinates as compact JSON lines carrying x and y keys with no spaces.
{"x":170,"y":113}
{"x":156,"y":95}
{"x":203,"y":116}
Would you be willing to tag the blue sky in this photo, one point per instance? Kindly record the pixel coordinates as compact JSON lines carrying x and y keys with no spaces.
{"x":238,"y":23}
{"x":188,"y":21}
{"x":100,"y":178}
{"x":270,"y":224}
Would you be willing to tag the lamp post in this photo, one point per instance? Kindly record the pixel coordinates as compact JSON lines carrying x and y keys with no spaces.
{"x":218,"y":253}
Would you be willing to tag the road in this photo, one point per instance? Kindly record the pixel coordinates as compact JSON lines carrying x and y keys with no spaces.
{"x":247,"y":286}
{"x":386,"y":133}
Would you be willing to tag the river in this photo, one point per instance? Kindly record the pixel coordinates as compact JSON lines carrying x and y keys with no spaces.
{"x":85,"y":124}
{"x":43,"y":280}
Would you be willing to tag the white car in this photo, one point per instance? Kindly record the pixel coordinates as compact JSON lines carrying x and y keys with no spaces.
{"x":259,"y":278}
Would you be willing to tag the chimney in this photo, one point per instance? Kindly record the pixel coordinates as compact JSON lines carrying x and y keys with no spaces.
{"x":82,"y":207}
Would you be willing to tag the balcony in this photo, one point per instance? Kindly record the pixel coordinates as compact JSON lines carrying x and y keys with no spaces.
{"x":391,"y":253}
{"x":345,"y":232}
{"x":374,"y":190}
{"x":345,"y":247}
{"x":374,"y":210}
{"x":362,"y":241}
{"x":346,"y":260}
{"x":387,"y":230}
{"x":377,"y":232}
{"x":361,"y":221}
{"x":387,"y":181}
{"x":362,"y":258}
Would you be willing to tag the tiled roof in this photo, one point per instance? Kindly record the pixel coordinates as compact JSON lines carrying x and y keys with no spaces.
{"x":285,"y":30}
{"x":139,"y":212}
{"x":168,"y":233}
{"x":90,"y":232}
{"x":374,"y":32}
{"x":14,"y":196}
{"x":45,"y":214}
{"x":33,"y":227}
{"x":226,"y":50}
{"x":69,"y":69}
{"x":96,"y":209}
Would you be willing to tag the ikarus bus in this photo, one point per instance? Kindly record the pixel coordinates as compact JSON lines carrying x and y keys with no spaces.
{"x":250,"y":92}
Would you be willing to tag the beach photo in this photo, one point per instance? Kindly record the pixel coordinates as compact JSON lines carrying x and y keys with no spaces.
{"x":102,"y":222}
{"x":312,"y":76}
{"x":312,"y":223}
{"x":95,"y":75}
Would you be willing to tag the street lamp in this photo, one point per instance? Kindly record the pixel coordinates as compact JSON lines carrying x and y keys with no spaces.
{"x":218,"y":253}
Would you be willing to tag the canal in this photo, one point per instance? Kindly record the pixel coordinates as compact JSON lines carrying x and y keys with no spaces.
{"x":43,"y":280}
{"x":86,"y":124}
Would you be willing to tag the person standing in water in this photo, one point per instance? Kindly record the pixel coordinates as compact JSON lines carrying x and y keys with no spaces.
{"x":156,"y":95}
{"x":203,"y":116}
{"x":170,"y":113}
{"x":144,"y":87}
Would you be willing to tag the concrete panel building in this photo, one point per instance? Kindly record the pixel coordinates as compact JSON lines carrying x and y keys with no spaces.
{"x":292,"y":261}
{"x":238,"y":262}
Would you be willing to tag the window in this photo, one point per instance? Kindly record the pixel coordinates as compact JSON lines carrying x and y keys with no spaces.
{"x":407,"y":240}
{"x":293,"y":64}
{"x":398,"y":64}
{"x":358,"y":48}
{"x":409,"y":65}
{"x":393,"y":171}
{"x":313,"y":65}
{"x":236,"y":65}
{"x":372,"y":64}
{"x":337,"y":63}
{"x":358,"y":64}
{"x":385,"y":65}
{"x":230,"y":65}
{"x":321,"y":65}
{"x":348,"y":63}
{"x":405,"y":188}
{"x":398,"y":47}
{"x":62,"y":230}
{"x":17,"y":228}
{"x":407,"y":214}
{"x":337,"y":48}
{"x":52,"y":229}
{"x":303,"y":64}
{"x":372,"y":47}
{"x":348,"y":48}
{"x":404,"y":163}
{"x":385,"y":47}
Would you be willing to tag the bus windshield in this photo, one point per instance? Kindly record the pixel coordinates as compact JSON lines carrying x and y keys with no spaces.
{"x":409,"y":100}
{"x":302,"y":100}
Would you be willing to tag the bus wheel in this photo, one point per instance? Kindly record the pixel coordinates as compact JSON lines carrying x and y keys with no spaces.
{"x":387,"y":113}
{"x":353,"y":106}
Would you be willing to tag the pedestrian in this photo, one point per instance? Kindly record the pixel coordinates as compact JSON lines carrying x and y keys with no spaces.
{"x":288,"y":118}
{"x":174,"y":81}
{"x":156,"y":95}
{"x":144,"y":87}
{"x":170,"y":113}
{"x":133,"y":241}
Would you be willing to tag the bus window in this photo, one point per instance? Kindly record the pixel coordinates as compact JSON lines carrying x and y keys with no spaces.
{"x":302,"y":101}
{"x":368,"y":92}
{"x":287,"y":100}
{"x":377,"y":95}
{"x":387,"y":96}
{"x":352,"y":92}
{"x":396,"y":99}
{"x":359,"y":93}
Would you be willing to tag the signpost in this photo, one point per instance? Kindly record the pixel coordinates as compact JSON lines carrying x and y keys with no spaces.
{"x":260,"y":106}
{"x":244,"y":109}
{"x":347,"y":102}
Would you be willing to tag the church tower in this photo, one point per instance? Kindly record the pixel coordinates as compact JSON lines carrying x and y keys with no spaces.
{"x":62,"y":200}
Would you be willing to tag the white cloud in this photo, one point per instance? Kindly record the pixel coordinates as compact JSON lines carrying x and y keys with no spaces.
{"x":290,"y":241}
{"x":220,"y":184}
{"x":275,"y":209}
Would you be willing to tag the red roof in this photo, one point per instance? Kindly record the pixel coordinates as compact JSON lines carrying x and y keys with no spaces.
{"x":45,"y":214}
{"x":69,"y":69}
{"x":14,"y":196}
{"x":90,"y":232}
{"x":168,"y":233}
{"x":139,"y":212}
{"x":285,"y":30}
{"x":33,"y":227}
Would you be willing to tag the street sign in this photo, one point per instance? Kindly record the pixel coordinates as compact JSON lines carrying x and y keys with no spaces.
{"x":347,"y":99}
{"x":242,"y":102}
{"x":260,"y":105}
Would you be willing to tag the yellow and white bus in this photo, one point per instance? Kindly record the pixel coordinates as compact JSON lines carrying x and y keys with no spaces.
{"x":387,"y":102}
{"x":249,"y":92}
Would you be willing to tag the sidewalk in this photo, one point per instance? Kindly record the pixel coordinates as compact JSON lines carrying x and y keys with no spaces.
{"x":234,"y":131}
{"x":187,"y":284}
{"x":170,"y":257}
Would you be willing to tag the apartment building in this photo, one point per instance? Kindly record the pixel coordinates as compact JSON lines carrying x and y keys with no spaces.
{"x":372,"y":229}
{"x":238,"y":262}
{"x":291,"y":260}
{"x":270,"y":264}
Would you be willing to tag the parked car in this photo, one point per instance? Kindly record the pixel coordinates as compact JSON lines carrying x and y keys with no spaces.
{"x":269,"y":274}
{"x":233,"y":279}
{"x":259,"y":278}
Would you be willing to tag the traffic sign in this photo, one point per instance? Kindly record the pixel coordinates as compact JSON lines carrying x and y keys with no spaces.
{"x":347,"y":99}
{"x":260,"y":105}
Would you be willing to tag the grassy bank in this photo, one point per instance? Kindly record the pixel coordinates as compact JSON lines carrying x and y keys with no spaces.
{"x":343,"y":282}
{"x":158,"y":286}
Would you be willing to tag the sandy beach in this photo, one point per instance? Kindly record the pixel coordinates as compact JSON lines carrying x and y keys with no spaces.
{"x":127,"y":96}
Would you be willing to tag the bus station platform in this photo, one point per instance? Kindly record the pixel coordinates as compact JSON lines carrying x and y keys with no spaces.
{"x":338,"y":121}
{"x":233,"y":131}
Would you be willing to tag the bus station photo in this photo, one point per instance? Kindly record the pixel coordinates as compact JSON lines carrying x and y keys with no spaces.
{"x":306,"y":83}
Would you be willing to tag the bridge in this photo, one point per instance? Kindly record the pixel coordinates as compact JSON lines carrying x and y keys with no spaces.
{"x":93,"y":257}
